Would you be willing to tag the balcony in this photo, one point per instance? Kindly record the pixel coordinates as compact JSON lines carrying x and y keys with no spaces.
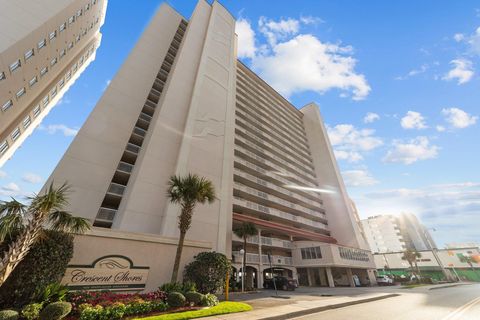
{"x":132,"y":148}
{"x":283,"y":216}
{"x":106,"y":214}
{"x":276,"y":190}
{"x":272,"y":129}
{"x":116,"y":189}
{"x":267,"y":241}
{"x":125,"y":167}
{"x":255,"y":258}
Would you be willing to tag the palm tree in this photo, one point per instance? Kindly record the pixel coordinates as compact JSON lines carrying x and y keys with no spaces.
{"x":187,"y":192}
{"x":244,"y":231}
{"x":411,"y":257}
{"x":23,"y":224}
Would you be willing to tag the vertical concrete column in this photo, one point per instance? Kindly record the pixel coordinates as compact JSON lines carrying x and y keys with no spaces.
{"x":331,"y":284}
{"x":260,"y":262}
{"x":371,"y":277}
{"x":310,"y":277}
{"x":350,"y":277}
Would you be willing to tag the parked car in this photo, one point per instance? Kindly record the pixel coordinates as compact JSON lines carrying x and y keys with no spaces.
{"x":282,"y":283}
{"x":384,"y":281}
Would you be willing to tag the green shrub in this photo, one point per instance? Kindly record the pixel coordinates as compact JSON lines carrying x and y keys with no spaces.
{"x":32,"y":311}
{"x":171,"y":287}
{"x":208,"y":271}
{"x":194,"y":298}
{"x":56,"y":311}
{"x":176,"y":299}
{"x":88,"y":312}
{"x":45,"y":263}
{"x":8,"y":315}
{"x":209,"y":300}
{"x":189,"y":286}
{"x":53,"y":292}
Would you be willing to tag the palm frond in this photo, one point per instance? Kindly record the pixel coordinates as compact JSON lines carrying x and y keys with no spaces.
{"x":53,"y":199}
{"x":65,"y":222}
{"x":245,"y":230}
{"x":12,"y":218}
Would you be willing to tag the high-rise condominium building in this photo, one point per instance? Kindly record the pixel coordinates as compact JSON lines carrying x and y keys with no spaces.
{"x":44,"y":47}
{"x":388,"y":233}
{"x":182,"y":103}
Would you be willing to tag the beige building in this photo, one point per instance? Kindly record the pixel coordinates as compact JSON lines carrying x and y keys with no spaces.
{"x":182,"y":103}
{"x":44,"y":47}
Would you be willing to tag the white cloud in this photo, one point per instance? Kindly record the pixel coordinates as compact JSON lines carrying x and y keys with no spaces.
{"x":349,"y":143}
{"x":423,"y":68}
{"x":447,"y":207}
{"x":458,"y":37}
{"x":12,"y":190}
{"x":371,"y":117}
{"x":473,"y":42}
{"x":358,"y":178}
{"x":11,"y":187}
{"x":3,"y":174}
{"x":307,"y":64}
{"x":462,"y":71}
{"x":412,"y":151}
{"x":440,"y":128}
{"x":246,"y":39}
{"x":32,"y":178}
{"x":459,"y":118}
{"x":413,"y":120}
{"x":54,"y":128}
{"x":278,"y":30}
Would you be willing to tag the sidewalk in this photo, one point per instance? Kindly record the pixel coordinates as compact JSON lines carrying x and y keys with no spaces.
{"x":301,"y":302}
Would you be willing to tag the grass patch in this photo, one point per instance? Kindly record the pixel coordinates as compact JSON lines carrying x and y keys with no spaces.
{"x":221,"y":308}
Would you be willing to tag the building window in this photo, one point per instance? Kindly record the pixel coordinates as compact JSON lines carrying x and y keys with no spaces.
{"x":3,"y":147}
{"x":28,"y":54}
{"x":80,"y":62}
{"x":87,"y":7}
{"x":20,"y":93}
{"x":61,"y":83}
{"x":42,"y":44}
{"x":33,"y":81}
{"x":70,"y":45}
{"x":15,"y":134}
{"x":7,"y":105}
{"x":52,"y":35}
{"x":74,"y":68}
{"x":63,"y":26}
{"x":53,"y":93}
{"x":71,"y":20}
{"x":14,"y":66}
{"x":77,"y":39}
{"x":53,"y":62}
{"x":62,"y":53}
{"x":36,"y":111}
{"x":2,"y":76}
{"x":311,"y":253}
{"x":79,"y":13}
{"x":68,"y":75}
{"x":26,"y":122}
{"x":96,"y":20}
{"x":43,"y":71}
{"x":84,"y":32}
{"x":45,"y":100}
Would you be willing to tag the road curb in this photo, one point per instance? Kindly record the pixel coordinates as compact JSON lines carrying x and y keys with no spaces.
{"x":451,"y":285}
{"x":328,"y":307}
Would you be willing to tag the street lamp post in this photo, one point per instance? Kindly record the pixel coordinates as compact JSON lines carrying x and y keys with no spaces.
{"x":242,"y":252}
{"x":435,"y":254}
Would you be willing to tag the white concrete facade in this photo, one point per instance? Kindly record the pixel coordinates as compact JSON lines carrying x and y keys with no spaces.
{"x":44,"y":47}
{"x":182,"y":103}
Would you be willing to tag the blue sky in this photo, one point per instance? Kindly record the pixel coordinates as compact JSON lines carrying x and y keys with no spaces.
{"x":397,"y":83}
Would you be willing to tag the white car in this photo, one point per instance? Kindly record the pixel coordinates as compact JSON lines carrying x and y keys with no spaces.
{"x":384,"y":281}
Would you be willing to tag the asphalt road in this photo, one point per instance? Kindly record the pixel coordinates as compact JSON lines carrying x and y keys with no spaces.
{"x":455,"y":303}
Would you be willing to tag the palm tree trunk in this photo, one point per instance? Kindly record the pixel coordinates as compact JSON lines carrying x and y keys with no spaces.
{"x":244,"y":261}
{"x":19,"y":248}
{"x":178,"y":256}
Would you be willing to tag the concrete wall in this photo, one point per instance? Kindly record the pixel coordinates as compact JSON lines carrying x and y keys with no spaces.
{"x":150,"y":250}
{"x":341,"y":220}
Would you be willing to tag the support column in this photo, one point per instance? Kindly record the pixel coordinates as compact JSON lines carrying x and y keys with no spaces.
{"x":331,"y":284}
{"x":350,"y":277}
{"x":310,"y":277}
{"x":371,"y":277}
{"x":260,"y":262}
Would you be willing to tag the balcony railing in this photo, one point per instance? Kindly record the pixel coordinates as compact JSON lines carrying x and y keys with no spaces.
{"x":125,"y":167}
{"x":116,"y":189}
{"x":277,"y":213}
{"x":267,"y":241}
{"x":255,"y":258}
{"x":106,"y":214}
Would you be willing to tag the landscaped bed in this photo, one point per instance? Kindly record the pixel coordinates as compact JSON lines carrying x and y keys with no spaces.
{"x":221,"y":308}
